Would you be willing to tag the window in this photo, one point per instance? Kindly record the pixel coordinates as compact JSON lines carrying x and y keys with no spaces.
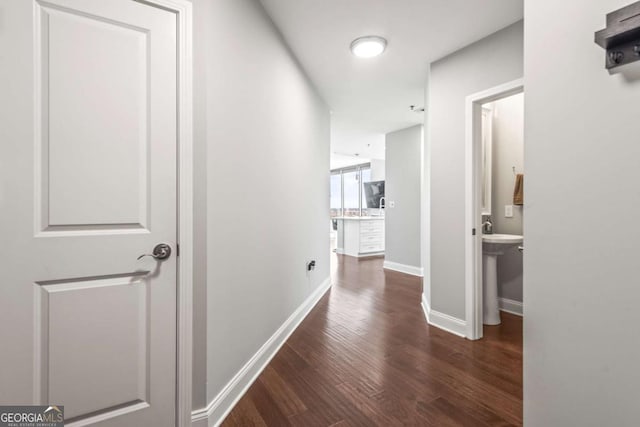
{"x":347,"y":193}
{"x":351,"y":188}
{"x":336,"y":195}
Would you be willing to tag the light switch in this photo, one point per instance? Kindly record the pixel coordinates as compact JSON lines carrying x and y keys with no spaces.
{"x":392,"y":204}
{"x":508,"y":211}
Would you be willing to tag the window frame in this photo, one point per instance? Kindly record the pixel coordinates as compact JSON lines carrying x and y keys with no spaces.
{"x":341,"y":171}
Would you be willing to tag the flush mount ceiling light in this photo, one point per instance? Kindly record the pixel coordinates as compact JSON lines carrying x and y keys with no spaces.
{"x":368,"y":46}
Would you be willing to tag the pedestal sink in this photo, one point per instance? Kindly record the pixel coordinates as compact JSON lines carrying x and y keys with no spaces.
{"x":494,"y":245}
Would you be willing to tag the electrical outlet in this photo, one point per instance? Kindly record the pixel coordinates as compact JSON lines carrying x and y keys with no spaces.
{"x":508,"y":211}
{"x":311,"y":265}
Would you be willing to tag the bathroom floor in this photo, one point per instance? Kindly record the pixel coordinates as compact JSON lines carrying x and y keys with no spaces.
{"x":365,"y":356}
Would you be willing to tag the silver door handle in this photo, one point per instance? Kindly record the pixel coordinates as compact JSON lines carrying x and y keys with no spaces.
{"x":521,"y":248}
{"x":161,"y":252}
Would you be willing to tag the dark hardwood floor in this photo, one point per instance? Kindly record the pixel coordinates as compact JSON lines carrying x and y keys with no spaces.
{"x":365,"y":356}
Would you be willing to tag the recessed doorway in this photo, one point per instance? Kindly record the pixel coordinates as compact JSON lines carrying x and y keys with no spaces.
{"x":483,"y":202}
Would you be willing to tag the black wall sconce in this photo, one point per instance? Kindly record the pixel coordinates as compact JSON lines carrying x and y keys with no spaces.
{"x":621,"y":38}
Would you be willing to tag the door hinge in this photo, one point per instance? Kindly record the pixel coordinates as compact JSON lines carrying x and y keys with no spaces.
{"x":473,"y":231}
{"x":177,"y":249}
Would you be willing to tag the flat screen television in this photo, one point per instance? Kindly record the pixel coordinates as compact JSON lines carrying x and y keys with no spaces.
{"x":373,"y":192}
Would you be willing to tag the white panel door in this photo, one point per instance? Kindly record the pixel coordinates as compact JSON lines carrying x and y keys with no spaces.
{"x":88,"y":92}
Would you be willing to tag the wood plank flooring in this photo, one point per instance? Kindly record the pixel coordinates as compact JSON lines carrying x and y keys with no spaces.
{"x":365,"y":356}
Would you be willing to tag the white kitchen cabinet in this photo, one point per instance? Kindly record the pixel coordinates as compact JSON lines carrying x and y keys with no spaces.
{"x":361,"y":236}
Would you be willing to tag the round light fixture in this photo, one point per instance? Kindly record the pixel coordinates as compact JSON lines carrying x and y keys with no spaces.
{"x":368,"y":46}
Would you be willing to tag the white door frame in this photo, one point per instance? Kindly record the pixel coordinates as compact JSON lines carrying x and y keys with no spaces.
{"x":473,"y":195}
{"x":184,"y":338}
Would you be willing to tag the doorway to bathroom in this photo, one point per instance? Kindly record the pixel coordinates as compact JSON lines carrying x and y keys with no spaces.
{"x":494,"y":206}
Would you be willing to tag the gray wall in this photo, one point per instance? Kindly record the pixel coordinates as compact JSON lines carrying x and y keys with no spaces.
{"x":402,"y":186}
{"x":262,"y":140}
{"x":199,"y":385}
{"x":492,"y":61}
{"x":507,"y":152}
{"x":377,"y":169}
{"x":581,"y":290}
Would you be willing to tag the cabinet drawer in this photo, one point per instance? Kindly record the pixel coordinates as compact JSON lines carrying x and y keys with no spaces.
{"x":371,"y":230}
{"x":371,"y":247}
{"x":371,"y":238}
{"x":368,"y":226}
{"x":366,"y":234}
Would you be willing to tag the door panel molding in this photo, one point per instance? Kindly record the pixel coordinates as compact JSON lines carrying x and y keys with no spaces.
{"x":77,"y":315}
{"x":59,"y":207}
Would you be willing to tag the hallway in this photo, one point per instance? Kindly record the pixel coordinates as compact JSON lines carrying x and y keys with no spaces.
{"x":366,"y":356}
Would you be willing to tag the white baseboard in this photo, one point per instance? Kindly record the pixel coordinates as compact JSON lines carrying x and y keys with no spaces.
{"x":444,"y":321}
{"x":361,"y":255}
{"x":216,"y":411}
{"x":403,"y":268}
{"x":369,"y":254}
{"x":199,"y":421}
{"x":510,"y":306}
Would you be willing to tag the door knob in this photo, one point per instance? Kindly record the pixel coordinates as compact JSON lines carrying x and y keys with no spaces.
{"x":161,"y":252}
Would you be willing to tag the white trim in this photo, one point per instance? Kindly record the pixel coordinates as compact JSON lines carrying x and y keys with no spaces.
{"x":216,"y":411}
{"x":510,"y":306}
{"x":473,"y":218}
{"x":443,"y":321}
{"x":198,"y":419}
{"x":184,"y":339}
{"x":185,"y":260}
{"x":360,"y":254}
{"x":403,"y":268}
{"x":367,"y":254}
{"x":425,"y":205}
{"x":487,"y":160}
{"x":100,"y":417}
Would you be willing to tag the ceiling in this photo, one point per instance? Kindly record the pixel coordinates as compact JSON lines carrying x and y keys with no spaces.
{"x":371,"y":97}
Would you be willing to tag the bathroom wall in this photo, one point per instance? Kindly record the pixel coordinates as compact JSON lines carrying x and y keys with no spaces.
{"x":402,"y":186}
{"x":582,"y":190}
{"x":492,"y":61}
{"x":507,"y":152}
